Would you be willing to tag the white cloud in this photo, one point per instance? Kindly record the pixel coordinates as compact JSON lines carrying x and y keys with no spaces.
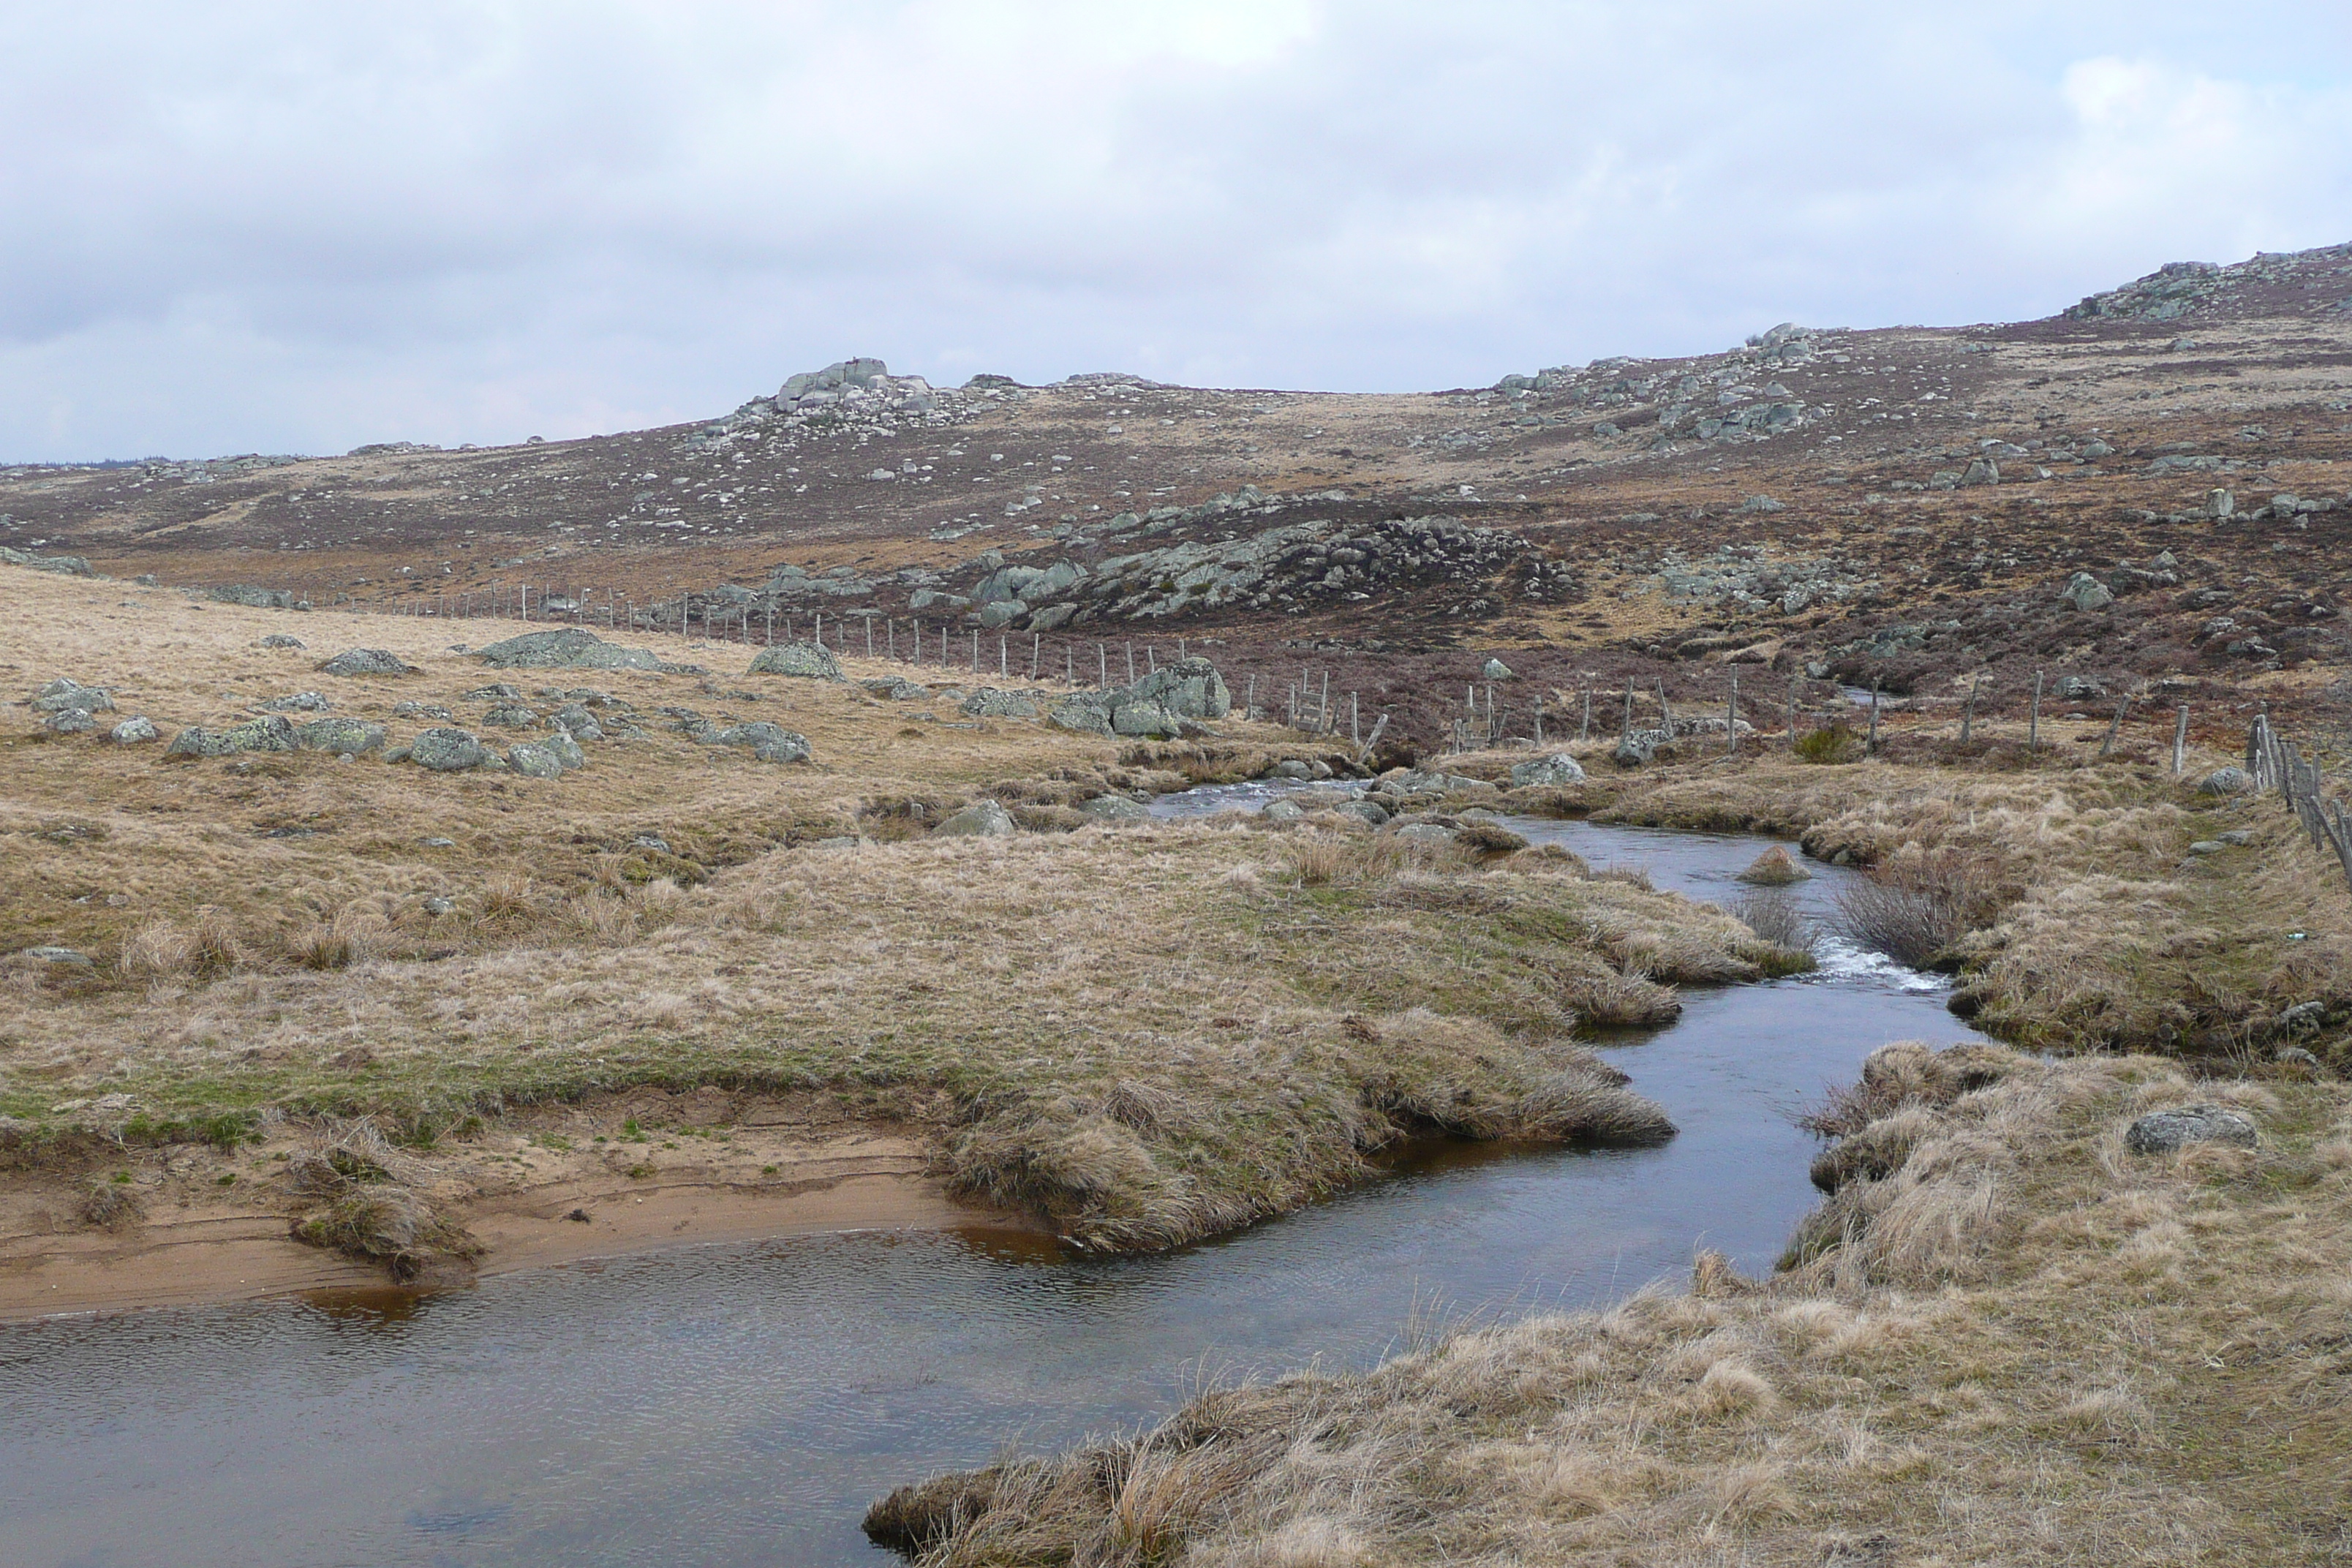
{"x":271,"y":226}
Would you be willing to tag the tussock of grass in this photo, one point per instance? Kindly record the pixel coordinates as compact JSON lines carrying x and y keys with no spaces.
{"x":2028,"y":1343}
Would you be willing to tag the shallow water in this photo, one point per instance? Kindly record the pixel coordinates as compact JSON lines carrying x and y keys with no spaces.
{"x":743,"y":1404}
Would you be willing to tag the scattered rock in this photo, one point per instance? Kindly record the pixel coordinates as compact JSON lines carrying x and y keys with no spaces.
{"x":990,"y":704}
{"x":2085,"y":592}
{"x":420,"y":711}
{"x":1114,"y":808}
{"x":511,"y":716}
{"x":1366,"y":811}
{"x":132,"y":731}
{"x":1981,"y":472}
{"x":1775,"y":868}
{"x":565,"y":647}
{"x":499,"y":692}
{"x":67,"y":695}
{"x":2206,"y":847}
{"x":367,"y":661}
{"x":350,"y":736}
{"x":534,"y":760}
{"x":73,"y":958}
{"x":813,"y":661}
{"x":2169,"y":1131}
{"x":1496,"y":669}
{"x":2226,"y":781}
{"x":1086,"y":712}
{"x":71,"y":721}
{"x":281,"y":639}
{"x":1291,"y":768}
{"x":1425,"y":833}
{"x":1559,"y":768}
{"x":269,"y":734}
{"x":1281,"y":811}
{"x":301,"y":702}
{"x":769,"y":743}
{"x":437,"y":906}
{"x":445,"y":750}
{"x":2076,"y":688}
{"x":896,"y":689}
{"x":2219,"y":504}
{"x":981,"y":819}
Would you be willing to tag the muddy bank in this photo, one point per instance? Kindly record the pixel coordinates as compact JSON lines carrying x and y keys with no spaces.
{"x":197,"y":1224}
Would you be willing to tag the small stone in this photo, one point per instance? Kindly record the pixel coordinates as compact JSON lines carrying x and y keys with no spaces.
{"x":2169,"y":1131}
{"x":2206,"y":847}
{"x":981,"y":819}
{"x":437,"y":842}
{"x":2085,"y":592}
{"x":1496,"y":669}
{"x":2296,"y":1057}
{"x":1114,"y":808}
{"x":132,"y":731}
{"x":1281,"y":811}
{"x":1554,"y":771}
{"x":280,"y":639}
{"x":437,"y":906}
{"x":72,"y":958}
{"x":2237,"y":837}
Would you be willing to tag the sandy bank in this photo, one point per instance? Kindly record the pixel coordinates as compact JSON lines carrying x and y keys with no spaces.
{"x":632,"y":1173}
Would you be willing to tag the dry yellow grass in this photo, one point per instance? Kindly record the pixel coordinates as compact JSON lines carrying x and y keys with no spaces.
{"x":2020,"y":1344}
{"x":1144,"y":1032}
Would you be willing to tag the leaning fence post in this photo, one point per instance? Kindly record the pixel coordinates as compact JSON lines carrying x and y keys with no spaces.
{"x":1355,"y":730}
{"x":1665,"y":714}
{"x":2114,"y":724}
{"x":2033,"y":720}
{"x":1130,"y":663}
{"x":1036,"y":652}
{"x":2180,"y":741}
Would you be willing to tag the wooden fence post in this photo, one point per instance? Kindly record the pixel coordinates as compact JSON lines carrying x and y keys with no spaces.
{"x":1731,"y":720}
{"x":2180,"y":741}
{"x":1968,"y":716}
{"x":2114,"y":724}
{"x":1870,"y":747}
{"x":2033,"y":720}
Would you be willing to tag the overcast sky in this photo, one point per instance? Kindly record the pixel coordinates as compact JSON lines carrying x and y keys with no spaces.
{"x":232,"y":228}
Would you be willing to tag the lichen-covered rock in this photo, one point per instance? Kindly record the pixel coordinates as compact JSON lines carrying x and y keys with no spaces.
{"x":497,"y":691}
{"x":1086,"y":712}
{"x":272,"y":734}
{"x":565,"y":647}
{"x":2226,"y":781}
{"x":2168,"y":1132}
{"x":896,"y":689}
{"x":446,"y":750}
{"x":511,"y":716}
{"x":1558,"y":769}
{"x":1496,"y":669}
{"x":300,"y":702}
{"x":2085,"y":592}
{"x":534,"y":760}
{"x":132,"y":731}
{"x":814,"y":661}
{"x":70,"y":721}
{"x":981,"y":819}
{"x":281,"y":639}
{"x":65,"y":694}
{"x":990,"y":704}
{"x":366,"y":661}
{"x":1114,"y":808}
{"x":339,"y":735}
{"x":769,"y":743}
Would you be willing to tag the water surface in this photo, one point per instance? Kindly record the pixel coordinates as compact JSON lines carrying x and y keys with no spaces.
{"x":740,"y":1404}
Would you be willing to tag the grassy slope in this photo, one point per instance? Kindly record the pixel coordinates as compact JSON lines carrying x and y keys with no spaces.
{"x":2030,"y":1346}
{"x":1146,"y":1032}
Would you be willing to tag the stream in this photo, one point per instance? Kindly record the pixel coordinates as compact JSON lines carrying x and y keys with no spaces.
{"x":743,"y":1404}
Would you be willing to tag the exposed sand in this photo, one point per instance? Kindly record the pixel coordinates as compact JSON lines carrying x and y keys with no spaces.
{"x":778,"y":1168}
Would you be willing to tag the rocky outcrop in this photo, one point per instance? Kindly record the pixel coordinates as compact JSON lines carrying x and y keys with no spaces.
{"x":566,"y":647}
{"x":343,"y":736}
{"x":2169,"y":1131}
{"x":1558,"y":769}
{"x":769,"y":743}
{"x":65,"y":565}
{"x":67,"y":695}
{"x":981,"y":819}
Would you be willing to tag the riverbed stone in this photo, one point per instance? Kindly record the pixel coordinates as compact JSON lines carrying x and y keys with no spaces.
{"x":366,"y":661}
{"x":2169,"y":1131}
{"x":812,"y":661}
{"x":981,"y":819}
{"x":447,"y":749}
{"x":1281,"y":811}
{"x":1558,"y":769}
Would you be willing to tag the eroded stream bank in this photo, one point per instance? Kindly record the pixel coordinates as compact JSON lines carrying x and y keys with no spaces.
{"x":743,"y":1402}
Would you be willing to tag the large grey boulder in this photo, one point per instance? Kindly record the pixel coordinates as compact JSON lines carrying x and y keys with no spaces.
{"x":511,"y":716}
{"x":769,"y":743}
{"x":70,"y":721}
{"x":2085,"y":592}
{"x":2226,"y":781}
{"x":267,"y":734}
{"x":339,"y":735}
{"x":1114,"y":808}
{"x":447,"y":749}
{"x":1981,"y":472}
{"x":132,"y":731}
{"x":2169,"y":1131}
{"x":981,"y":819}
{"x":1162,"y":703}
{"x":1559,"y":768}
{"x":565,"y":749}
{"x":366,"y":661}
{"x":565,"y":647}
{"x":65,"y":694}
{"x":810,"y":660}
{"x":2076,"y":688}
{"x":1496,"y":669}
{"x":1086,"y":712}
{"x":990,"y":704}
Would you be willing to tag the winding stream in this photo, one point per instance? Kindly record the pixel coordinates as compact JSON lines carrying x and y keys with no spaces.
{"x":742,"y":1405}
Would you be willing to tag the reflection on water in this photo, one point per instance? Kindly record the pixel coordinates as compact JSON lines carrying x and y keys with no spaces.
{"x":741,"y":1403}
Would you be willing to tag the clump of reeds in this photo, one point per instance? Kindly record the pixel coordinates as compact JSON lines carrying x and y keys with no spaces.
{"x":1916,"y":909}
{"x":372,"y":1210}
{"x":1775,"y":868}
{"x":112,"y":1204}
{"x":1776,"y":918}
